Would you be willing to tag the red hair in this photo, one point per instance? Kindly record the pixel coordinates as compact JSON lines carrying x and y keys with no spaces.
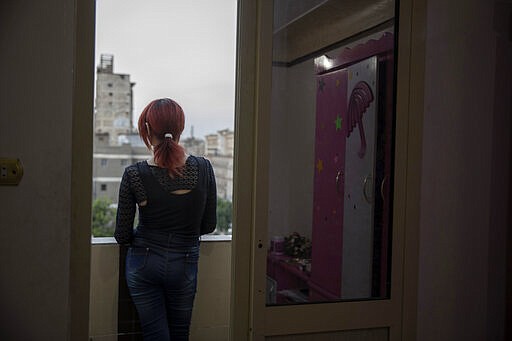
{"x":160,"y":118}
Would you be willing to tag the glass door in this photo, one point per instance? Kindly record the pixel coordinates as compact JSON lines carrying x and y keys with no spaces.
{"x":325,"y":224}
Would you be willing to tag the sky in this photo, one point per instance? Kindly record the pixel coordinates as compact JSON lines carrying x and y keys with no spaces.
{"x":184,"y":50}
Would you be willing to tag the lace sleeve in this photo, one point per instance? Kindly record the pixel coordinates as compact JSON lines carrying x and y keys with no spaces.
{"x":209,"y":221}
{"x":126,"y":208}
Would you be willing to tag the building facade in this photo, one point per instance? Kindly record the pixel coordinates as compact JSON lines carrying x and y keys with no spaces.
{"x":219,"y":150}
{"x":109,"y":162}
{"x":114,"y":101}
{"x":193,"y":146}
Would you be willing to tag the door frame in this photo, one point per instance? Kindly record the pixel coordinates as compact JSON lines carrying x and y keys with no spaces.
{"x":250,"y":318}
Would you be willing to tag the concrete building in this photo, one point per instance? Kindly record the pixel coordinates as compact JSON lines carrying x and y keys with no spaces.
{"x":113,"y":112}
{"x":223,"y":168}
{"x":110,"y":160}
{"x":116,"y":145}
{"x":193,"y":145}
{"x":109,"y":163}
{"x":219,"y":150}
{"x":220,"y":143}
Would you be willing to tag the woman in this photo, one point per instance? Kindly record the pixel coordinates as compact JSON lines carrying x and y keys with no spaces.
{"x":176,"y":196}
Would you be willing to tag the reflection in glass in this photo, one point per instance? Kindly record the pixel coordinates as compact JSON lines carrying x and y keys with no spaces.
{"x":331,"y":151}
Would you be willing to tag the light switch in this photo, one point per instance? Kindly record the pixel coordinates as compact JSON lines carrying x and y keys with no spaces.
{"x":11,"y":171}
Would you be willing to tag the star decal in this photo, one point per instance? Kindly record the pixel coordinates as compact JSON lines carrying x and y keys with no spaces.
{"x":320,"y":165}
{"x":338,"y":121}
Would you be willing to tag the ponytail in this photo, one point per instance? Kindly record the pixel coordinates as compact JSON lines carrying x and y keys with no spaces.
{"x":164,"y":118}
{"x":169,"y":154}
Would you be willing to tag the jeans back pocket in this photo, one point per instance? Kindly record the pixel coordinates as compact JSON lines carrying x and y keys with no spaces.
{"x":136,"y":259}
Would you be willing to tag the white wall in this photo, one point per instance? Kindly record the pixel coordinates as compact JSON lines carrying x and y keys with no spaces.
{"x":457,"y":250}
{"x":44,"y":223}
{"x":292,"y":148}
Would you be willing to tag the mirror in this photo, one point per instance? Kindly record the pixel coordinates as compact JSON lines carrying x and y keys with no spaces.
{"x":331,"y":151}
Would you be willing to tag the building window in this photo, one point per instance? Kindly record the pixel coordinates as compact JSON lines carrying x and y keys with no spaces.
{"x":103,"y":162}
{"x":103,"y":187}
{"x":109,"y":85}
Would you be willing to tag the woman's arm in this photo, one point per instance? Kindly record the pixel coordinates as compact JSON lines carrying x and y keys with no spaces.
{"x":126,"y":208}
{"x":209,"y":222}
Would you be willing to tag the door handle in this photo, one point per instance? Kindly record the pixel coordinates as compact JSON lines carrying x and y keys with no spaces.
{"x":368,"y":199}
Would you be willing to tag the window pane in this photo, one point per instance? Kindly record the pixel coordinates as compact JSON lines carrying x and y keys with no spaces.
{"x":331,"y":151}
{"x":184,"y":50}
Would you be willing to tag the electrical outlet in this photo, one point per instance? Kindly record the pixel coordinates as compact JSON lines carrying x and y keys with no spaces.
{"x":11,"y":171}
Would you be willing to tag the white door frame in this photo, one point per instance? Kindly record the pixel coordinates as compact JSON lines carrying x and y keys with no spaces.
{"x":250,"y":318}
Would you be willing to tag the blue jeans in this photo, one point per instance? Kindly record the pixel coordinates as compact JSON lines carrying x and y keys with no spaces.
{"x":163,"y":284}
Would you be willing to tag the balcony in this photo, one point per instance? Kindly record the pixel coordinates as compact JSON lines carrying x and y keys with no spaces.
{"x":111,"y":316}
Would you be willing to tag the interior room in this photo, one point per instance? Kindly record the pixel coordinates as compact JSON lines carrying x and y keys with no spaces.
{"x":434,"y":259}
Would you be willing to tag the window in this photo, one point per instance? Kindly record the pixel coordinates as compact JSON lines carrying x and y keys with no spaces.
{"x":135,"y":82}
{"x":103,"y":187}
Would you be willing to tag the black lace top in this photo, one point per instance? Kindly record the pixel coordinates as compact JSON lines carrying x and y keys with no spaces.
{"x":167,"y":212}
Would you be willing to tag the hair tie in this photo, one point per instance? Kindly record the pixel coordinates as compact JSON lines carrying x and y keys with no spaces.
{"x":168,"y":135}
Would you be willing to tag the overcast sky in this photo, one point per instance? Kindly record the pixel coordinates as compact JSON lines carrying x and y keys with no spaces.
{"x":184,"y":50}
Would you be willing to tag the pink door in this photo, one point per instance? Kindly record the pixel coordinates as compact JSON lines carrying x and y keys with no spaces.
{"x":331,"y":110}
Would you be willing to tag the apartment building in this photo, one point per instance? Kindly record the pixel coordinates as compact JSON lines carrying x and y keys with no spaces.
{"x":219,"y":150}
{"x":109,"y":162}
{"x":113,"y":112}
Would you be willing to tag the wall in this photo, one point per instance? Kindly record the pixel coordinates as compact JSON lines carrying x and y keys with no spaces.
{"x":210,"y":320}
{"x":292,"y":150}
{"x":45,"y":95}
{"x":459,"y":256}
{"x":104,"y":290}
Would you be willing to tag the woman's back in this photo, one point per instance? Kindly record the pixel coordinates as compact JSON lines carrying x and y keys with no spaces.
{"x":180,"y":205}
{"x":177,"y":200}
